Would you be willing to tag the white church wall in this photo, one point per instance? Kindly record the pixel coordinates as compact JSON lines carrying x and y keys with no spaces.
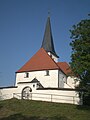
{"x":72,"y":82}
{"x":62,"y":79}
{"x":50,"y":80}
{"x":67,"y":82}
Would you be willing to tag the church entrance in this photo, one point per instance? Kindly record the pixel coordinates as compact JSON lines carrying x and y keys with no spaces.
{"x":26,"y":93}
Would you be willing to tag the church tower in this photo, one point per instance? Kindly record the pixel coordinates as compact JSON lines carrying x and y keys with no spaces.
{"x":47,"y":43}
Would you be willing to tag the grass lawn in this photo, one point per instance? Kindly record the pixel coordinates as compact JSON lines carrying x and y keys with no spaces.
{"x":35,"y":110}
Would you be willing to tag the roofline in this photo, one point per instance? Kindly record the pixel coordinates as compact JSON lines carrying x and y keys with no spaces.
{"x":41,"y":70}
{"x":37,"y":70}
{"x":60,"y":68}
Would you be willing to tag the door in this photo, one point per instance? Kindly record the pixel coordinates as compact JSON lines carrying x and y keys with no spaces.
{"x":26,"y":93}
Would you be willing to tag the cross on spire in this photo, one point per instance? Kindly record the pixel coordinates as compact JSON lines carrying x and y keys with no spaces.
{"x":48,"y":13}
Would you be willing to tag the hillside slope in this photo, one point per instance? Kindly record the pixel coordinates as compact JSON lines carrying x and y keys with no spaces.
{"x":35,"y":110}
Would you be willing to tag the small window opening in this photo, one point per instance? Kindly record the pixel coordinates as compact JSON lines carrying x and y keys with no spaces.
{"x":33,"y":85}
{"x":38,"y":85}
{"x":47,"y":72}
{"x":26,"y":75}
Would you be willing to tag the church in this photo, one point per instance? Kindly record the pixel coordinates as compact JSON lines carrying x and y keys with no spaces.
{"x":43,"y":77}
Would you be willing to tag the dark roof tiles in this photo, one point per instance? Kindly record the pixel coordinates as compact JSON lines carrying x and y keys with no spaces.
{"x":47,"y":43}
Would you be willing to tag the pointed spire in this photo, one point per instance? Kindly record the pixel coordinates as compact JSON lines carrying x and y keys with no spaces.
{"x":47,"y":43}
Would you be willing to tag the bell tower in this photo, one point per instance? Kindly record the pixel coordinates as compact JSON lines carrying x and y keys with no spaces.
{"x":48,"y":43}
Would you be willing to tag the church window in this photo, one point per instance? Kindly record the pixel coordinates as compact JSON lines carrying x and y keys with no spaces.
{"x":26,"y":75}
{"x":37,"y":85}
{"x":47,"y":72}
{"x":33,"y":85}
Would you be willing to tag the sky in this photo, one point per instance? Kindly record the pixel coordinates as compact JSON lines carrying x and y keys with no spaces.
{"x":22,"y":26}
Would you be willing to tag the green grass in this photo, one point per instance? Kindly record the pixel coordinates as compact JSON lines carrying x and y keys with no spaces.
{"x":35,"y":110}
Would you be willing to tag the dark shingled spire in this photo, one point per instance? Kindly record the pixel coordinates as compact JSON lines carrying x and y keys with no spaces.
{"x":47,"y":43}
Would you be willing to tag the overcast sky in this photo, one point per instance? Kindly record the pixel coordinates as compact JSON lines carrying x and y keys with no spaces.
{"x":22,"y":25}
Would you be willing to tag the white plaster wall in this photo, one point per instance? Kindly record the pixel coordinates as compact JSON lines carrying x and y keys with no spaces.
{"x":67,"y":82}
{"x":7,"y":93}
{"x":71,"y":81}
{"x":46,"y":81}
{"x":62,"y":96}
{"x":43,"y":95}
{"x":62,"y":79}
{"x":67,"y":86}
{"x":21,"y":86}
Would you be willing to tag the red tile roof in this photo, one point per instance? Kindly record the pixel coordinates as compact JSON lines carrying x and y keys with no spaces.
{"x":40,"y":61}
{"x":64,"y":67}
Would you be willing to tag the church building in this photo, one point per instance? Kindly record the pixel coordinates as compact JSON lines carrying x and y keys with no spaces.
{"x":43,"y":69}
{"x":43,"y":77}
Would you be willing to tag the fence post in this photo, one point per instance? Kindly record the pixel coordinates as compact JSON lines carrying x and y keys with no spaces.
{"x":51,"y":97}
{"x":73,"y":100}
{"x":30,"y":96}
{"x":13,"y":95}
{"x":81,"y":101}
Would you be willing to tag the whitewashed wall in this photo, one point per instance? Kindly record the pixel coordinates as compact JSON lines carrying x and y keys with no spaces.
{"x":72,"y":82}
{"x":7,"y":93}
{"x":54,"y":80}
{"x":46,"y":81}
{"x":62,"y":79}
{"x":61,"y":96}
